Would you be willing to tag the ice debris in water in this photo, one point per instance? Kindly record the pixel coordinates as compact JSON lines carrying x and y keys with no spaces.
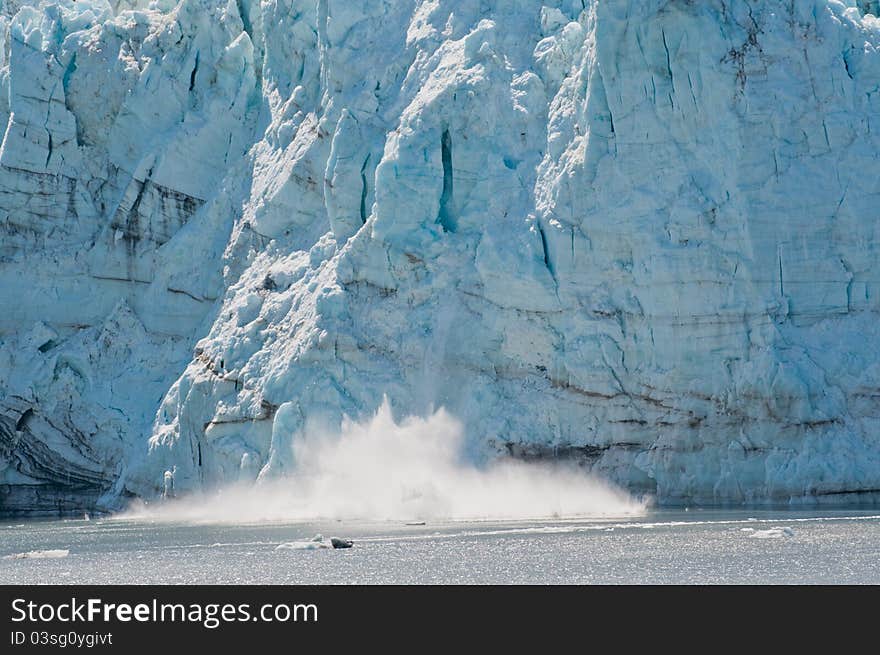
{"x":317,"y":542}
{"x":770,"y":533}
{"x":40,"y":554}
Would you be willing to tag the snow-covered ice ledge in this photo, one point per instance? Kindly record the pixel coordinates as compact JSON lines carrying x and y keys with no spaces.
{"x":640,"y":234}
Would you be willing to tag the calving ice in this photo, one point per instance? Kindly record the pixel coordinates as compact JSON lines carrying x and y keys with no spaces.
{"x":636,"y":237}
{"x":386,"y":470}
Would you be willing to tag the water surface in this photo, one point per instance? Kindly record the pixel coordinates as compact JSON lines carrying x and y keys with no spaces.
{"x":664,"y":546}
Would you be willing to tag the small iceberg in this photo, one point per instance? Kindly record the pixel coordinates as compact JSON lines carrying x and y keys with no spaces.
{"x":40,"y":554}
{"x":770,"y":533}
{"x":318,"y":542}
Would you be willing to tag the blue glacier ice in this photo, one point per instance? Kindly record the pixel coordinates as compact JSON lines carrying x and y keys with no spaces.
{"x":642,"y":236}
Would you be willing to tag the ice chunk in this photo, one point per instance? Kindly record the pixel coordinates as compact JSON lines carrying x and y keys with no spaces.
{"x":40,"y":554}
{"x":315,"y":543}
{"x":770,"y":533}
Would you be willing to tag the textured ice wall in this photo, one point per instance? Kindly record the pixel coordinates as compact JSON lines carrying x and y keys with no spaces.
{"x":640,"y":234}
{"x":123,"y":136}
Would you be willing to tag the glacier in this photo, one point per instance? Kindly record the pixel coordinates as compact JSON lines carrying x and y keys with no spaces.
{"x":641,"y":236}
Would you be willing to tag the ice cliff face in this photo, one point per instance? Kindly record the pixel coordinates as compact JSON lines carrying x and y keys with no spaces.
{"x":640,"y":234}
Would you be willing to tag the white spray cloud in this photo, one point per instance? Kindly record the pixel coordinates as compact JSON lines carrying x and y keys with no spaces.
{"x":384,"y":470}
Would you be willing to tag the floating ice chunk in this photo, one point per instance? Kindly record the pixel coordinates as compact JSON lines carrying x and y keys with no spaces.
{"x":303,"y":545}
{"x":40,"y":554}
{"x":771,"y":533}
{"x":316,"y":543}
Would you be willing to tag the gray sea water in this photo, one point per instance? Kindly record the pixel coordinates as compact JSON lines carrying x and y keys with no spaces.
{"x":695,"y":546}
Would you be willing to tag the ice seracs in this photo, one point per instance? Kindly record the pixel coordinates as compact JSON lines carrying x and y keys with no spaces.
{"x":641,"y":235}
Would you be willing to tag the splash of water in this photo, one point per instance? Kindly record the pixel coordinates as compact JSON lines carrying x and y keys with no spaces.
{"x":384,"y":470}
